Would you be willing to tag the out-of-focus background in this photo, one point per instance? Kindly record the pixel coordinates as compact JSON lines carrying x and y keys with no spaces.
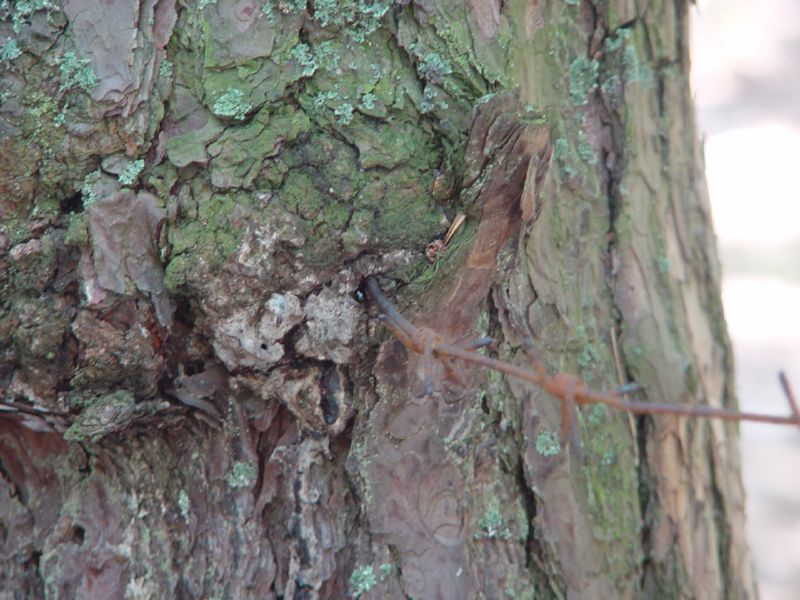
{"x":746,"y":81}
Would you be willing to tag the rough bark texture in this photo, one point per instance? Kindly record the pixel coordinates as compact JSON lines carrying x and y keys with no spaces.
{"x":193,"y":403}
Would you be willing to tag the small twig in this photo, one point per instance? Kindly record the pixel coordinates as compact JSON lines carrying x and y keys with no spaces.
{"x":571,"y":390}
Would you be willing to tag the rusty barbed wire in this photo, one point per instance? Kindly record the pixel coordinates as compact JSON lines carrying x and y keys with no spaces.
{"x":569,"y":389}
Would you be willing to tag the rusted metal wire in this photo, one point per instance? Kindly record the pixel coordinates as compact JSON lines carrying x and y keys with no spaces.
{"x":569,"y":389}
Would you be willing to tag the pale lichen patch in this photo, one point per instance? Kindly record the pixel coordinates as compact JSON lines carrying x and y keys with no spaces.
{"x":547,"y":443}
{"x":242,"y":474}
{"x":362,"y":580}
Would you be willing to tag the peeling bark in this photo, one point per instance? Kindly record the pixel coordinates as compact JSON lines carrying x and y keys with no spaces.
{"x":194,"y":403}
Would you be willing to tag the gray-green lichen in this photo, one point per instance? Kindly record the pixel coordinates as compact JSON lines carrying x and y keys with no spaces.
{"x":89,"y":188}
{"x":634,"y":70}
{"x":358,"y":18}
{"x":583,"y":78}
{"x":434,"y":68}
{"x":493,"y":525}
{"x":344,"y":113}
{"x":302,"y":54}
{"x":586,"y":359}
{"x":327,"y":55}
{"x":597,"y":415}
{"x":183,"y":504}
{"x":548,"y":443}
{"x":242,"y":474}
{"x":9,"y":51}
{"x":362,"y":580}
{"x":637,"y":71}
{"x":165,"y":69}
{"x":286,"y":6}
{"x":22,"y":10}
{"x":76,"y":73}
{"x":368,"y":100}
{"x":564,"y":156}
{"x":232,"y":104}
{"x":130,"y":174}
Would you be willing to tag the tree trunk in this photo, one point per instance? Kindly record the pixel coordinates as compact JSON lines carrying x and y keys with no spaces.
{"x":195,"y":404}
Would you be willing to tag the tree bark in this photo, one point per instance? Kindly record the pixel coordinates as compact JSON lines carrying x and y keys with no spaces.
{"x":194,"y":402}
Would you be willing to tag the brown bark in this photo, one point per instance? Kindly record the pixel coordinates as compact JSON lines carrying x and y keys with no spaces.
{"x":194,"y":405}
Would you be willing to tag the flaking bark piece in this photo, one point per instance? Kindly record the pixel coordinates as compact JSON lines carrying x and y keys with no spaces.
{"x":123,"y":232}
{"x":125,"y":43}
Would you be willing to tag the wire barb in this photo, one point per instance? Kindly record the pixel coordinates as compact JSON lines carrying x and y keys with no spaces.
{"x":787,"y":390}
{"x":569,"y":389}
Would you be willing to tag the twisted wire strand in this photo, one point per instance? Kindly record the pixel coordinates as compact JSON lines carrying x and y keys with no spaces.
{"x":569,"y":389}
